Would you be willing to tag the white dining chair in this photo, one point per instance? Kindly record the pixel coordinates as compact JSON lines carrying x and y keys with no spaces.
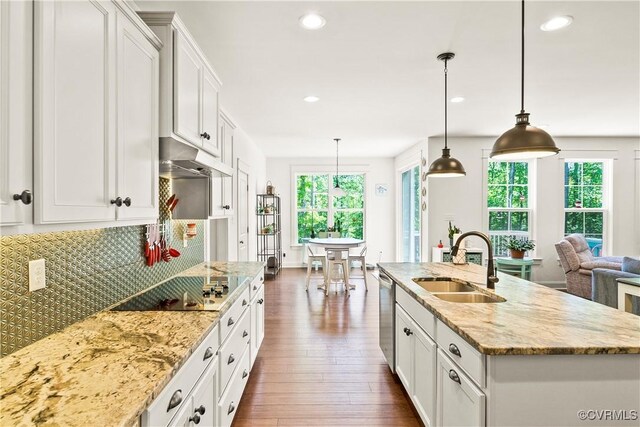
{"x":363,"y":264}
{"x":337,"y":263}
{"x":315,"y":259}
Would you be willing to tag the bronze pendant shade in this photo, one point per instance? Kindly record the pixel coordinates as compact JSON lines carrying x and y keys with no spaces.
{"x":446,"y":166}
{"x":523,"y":141}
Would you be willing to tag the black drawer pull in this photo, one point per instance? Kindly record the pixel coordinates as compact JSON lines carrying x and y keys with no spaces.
{"x":453,"y":349}
{"x":231,"y":321}
{"x":231,"y":359}
{"x":244,"y":334}
{"x":244,"y":302}
{"x":454,"y":376}
{"x":407,"y":331}
{"x":231,"y":408}
{"x":176,"y":399}
{"x":208,"y":353}
{"x":245,"y":374}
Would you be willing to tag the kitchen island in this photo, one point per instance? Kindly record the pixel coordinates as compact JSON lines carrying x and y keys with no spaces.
{"x":537,"y":357}
{"x":108,"y":368}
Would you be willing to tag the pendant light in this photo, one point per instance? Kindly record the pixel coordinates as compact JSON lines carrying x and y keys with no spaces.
{"x":337,"y":191}
{"x":446,"y":166}
{"x":523,"y":141}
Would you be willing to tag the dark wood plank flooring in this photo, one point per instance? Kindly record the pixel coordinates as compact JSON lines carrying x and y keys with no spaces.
{"x":320,"y":364}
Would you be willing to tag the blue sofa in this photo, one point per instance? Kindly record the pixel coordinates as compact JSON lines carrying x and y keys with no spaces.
{"x":604,"y":285}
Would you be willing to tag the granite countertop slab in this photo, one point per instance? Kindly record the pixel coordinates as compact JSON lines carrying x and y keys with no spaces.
{"x":108,"y":368}
{"x":534,"y":319}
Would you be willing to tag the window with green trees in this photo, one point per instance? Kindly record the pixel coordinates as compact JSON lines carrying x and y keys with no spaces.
{"x":584,"y":199}
{"x":508,"y":203}
{"x":318,"y":209}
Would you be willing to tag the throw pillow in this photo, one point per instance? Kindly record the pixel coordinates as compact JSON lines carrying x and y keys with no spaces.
{"x":631,"y":265}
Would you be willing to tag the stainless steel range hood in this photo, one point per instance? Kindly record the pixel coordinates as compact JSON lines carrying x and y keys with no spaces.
{"x":182,"y":160}
{"x":191,"y":172}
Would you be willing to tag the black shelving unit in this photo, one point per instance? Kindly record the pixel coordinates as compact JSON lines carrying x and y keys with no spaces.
{"x":269,"y":233}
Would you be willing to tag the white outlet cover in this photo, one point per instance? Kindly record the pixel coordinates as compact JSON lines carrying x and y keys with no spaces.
{"x":37,"y":276}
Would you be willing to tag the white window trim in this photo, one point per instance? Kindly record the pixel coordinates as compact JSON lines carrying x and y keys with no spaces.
{"x":326,"y":170}
{"x":399,"y":171}
{"x":607,"y":194}
{"x":532,"y":195}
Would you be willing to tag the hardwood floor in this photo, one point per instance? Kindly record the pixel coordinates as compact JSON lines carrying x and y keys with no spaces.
{"x":320,"y":364}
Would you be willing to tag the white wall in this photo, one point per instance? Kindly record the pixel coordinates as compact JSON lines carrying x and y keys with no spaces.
{"x":461,"y":199}
{"x":248,"y":152}
{"x":380,"y":211}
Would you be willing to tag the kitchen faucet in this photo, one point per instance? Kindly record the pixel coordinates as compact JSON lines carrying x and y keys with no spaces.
{"x":491,"y":273}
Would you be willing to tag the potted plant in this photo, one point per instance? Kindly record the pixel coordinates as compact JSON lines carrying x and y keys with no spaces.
{"x":519,"y":245}
{"x":453,"y":230}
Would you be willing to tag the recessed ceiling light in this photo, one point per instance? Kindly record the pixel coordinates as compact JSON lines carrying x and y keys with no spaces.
{"x":457,"y":99}
{"x":556,"y":23}
{"x":311,"y":98}
{"x":312,"y":21}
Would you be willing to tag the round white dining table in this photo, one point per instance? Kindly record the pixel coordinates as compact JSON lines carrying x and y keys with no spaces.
{"x":337,"y":244}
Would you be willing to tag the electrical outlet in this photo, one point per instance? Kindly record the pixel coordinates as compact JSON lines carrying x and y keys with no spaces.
{"x":37,"y":275}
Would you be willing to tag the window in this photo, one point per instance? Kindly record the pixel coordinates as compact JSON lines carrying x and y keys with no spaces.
{"x":318,"y":209}
{"x":508,"y":203}
{"x":410,"y":184}
{"x":584,"y":201}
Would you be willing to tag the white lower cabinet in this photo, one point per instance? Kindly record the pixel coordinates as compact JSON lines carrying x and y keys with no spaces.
{"x":416,"y":364}
{"x":228,"y":403}
{"x":460,"y":401}
{"x":200,"y":408}
{"x":257,"y":322}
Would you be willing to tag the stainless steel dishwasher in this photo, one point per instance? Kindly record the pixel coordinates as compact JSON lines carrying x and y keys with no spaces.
{"x":387,"y":318}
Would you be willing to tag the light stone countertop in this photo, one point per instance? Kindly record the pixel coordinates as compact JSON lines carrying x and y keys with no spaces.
{"x":106,"y":369}
{"x":534,"y":319}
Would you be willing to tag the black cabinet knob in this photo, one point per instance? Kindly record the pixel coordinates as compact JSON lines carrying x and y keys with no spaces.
{"x":260,"y":301}
{"x":227,"y":207}
{"x":127,"y":201}
{"x":117,"y":201}
{"x":407,"y":331}
{"x":201,"y":410}
{"x":195,"y":419}
{"x":24,"y":197}
{"x":205,"y":136}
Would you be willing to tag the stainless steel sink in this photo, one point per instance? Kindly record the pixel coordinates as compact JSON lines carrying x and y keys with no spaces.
{"x":443,"y":285}
{"x":469,"y":298}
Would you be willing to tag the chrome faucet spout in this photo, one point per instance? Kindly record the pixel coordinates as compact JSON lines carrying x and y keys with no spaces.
{"x":491,"y":274}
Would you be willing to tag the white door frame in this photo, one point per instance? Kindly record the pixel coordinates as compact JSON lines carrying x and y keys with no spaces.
{"x":244,"y":168}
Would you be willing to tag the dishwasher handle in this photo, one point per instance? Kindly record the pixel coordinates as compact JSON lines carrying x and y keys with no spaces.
{"x":385,"y":280}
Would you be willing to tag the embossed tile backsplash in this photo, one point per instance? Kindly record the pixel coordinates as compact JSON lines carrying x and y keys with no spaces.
{"x":86,"y":271}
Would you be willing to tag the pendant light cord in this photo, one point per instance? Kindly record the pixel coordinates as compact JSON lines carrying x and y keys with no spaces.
{"x":521,"y":65}
{"x":445,"y":104}
{"x":337,"y":176}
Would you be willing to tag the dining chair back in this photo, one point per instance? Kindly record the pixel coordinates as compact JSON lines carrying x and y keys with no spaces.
{"x":337,"y":264}
{"x":315,"y":259}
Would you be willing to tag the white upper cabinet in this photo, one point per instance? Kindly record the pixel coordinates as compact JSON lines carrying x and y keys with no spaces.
{"x":94,"y":127}
{"x":137,"y":132}
{"x":74,"y":121}
{"x":189,"y":86}
{"x":210,"y":89}
{"x":16,"y":35}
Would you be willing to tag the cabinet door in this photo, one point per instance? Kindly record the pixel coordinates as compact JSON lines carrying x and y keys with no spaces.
{"x":404,"y":351}
{"x":217,"y":201}
{"x":205,"y":402}
{"x":253,"y":348}
{"x":459,"y":401}
{"x":227,"y":159}
{"x":137,"y":146}
{"x":183,"y":416}
{"x":424,"y":375}
{"x":74,"y":111}
{"x":16,"y":21}
{"x":210,"y":90}
{"x":186,"y":91}
{"x":260,"y":320}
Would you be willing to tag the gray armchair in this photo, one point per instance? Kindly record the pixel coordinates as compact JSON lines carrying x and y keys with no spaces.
{"x":605,"y":287}
{"x":578,"y":262}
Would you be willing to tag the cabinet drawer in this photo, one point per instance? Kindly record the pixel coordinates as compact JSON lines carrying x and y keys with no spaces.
{"x":176,"y":393}
{"x":232,"y":349}
{"x":459,"y":401}
{"x":256,"y":284}
{"x":229,"y":401}
{"x":419,"y":313}
{"x":233,"y":314}
{"x":461,"y":352}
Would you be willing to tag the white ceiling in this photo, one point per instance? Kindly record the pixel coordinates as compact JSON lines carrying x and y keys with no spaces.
{"x":374,"y":68}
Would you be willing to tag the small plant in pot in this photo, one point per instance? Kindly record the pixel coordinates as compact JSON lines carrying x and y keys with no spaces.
{"x":519,"y":245}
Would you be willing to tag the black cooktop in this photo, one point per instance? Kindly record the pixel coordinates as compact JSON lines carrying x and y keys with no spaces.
{"x":184,"y":293}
